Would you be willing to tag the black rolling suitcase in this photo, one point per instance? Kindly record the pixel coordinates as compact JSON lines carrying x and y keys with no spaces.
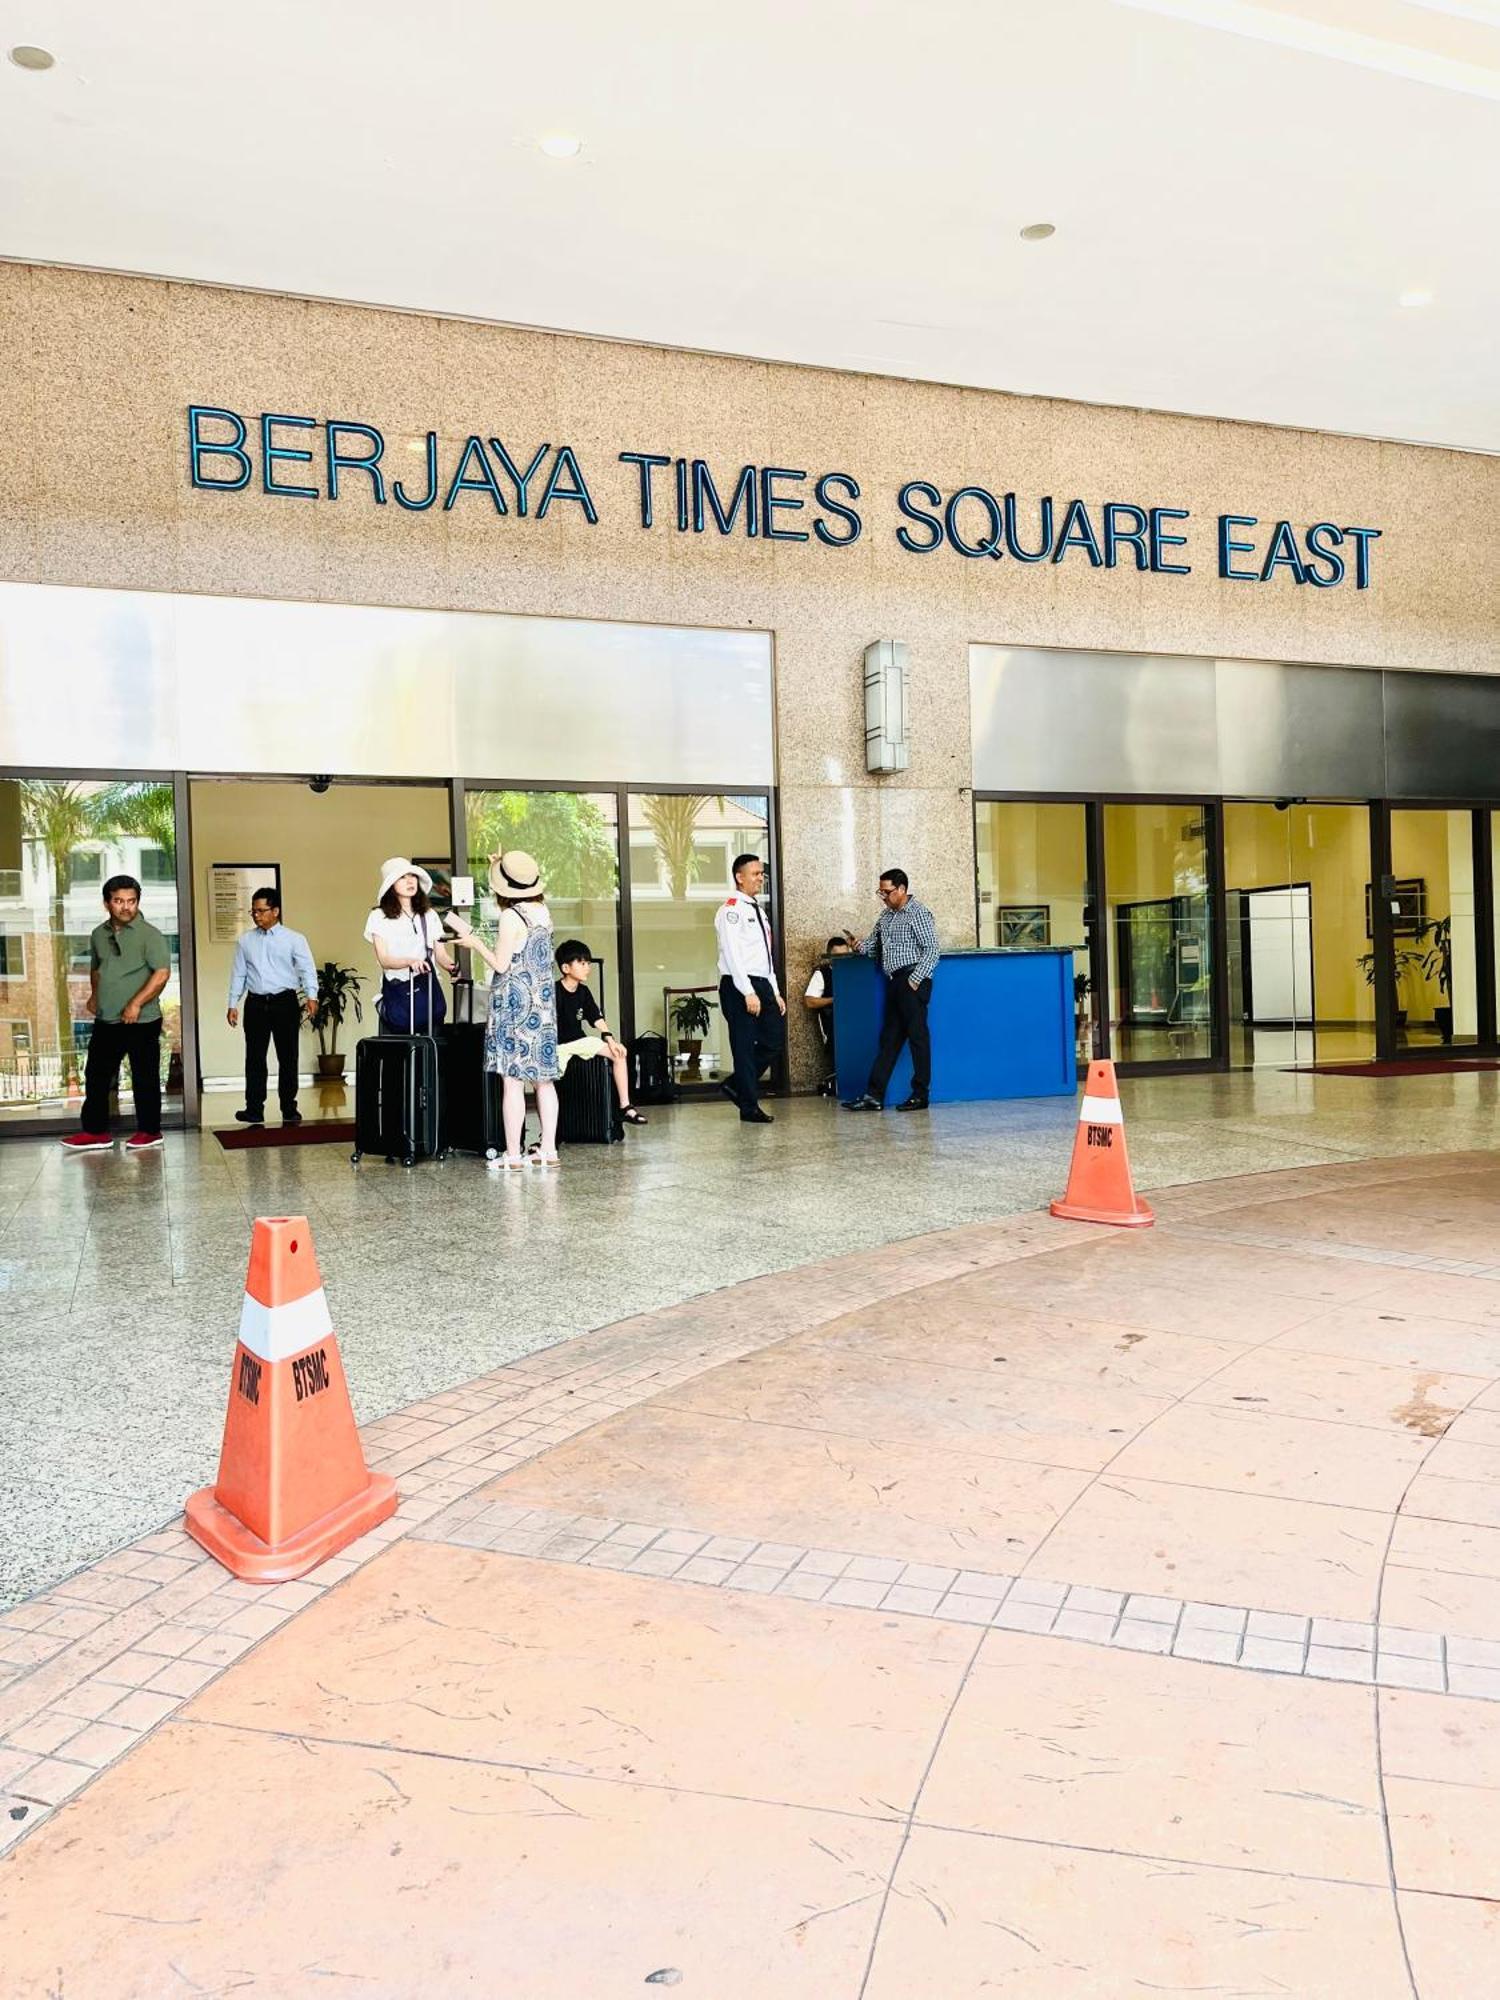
{"x":397,"y":1097}
{"x":471,"y":1093}
{"x":650,"y":1070}
{"x":586,"y":1111}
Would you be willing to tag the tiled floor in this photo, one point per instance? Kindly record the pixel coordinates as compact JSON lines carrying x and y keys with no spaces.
{"x":1024,"y":1609}
{"x":120,"y":1280}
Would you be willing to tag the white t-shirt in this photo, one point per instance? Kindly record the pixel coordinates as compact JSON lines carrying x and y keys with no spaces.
{"x":404,"y":936}
{"x":817,"y":985}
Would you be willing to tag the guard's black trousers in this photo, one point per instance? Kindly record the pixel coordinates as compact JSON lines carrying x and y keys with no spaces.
{"x":754,"y":1039}
{"x":267,"y":1016}
{"x":905,"y":1021}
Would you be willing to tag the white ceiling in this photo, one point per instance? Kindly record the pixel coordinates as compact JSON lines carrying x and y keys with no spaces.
{"x":1241,"y":191}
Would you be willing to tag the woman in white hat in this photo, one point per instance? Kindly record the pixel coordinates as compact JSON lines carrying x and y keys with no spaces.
{"x":407,"y":934}
{"x":520,"y":1041}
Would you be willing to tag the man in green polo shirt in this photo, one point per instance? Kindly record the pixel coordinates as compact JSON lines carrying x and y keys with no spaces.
{"x":129,"y":964}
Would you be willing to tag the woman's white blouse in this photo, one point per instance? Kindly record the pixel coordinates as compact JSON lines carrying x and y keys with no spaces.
{"x":404,"y":936}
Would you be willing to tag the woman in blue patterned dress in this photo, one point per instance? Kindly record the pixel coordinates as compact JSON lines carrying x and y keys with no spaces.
{"x":520,"y":1040}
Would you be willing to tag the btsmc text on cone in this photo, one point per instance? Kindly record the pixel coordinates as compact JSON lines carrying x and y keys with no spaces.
{"x":293,"y":1487}
{"x":1099,"y":1185}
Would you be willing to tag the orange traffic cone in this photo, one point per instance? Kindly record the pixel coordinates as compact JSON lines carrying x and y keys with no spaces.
{"x":1099,"y":1184}
{"x":293,"y":1486}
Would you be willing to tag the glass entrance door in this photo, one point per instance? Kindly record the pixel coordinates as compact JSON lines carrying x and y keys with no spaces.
{"x":1158,"y":884}
{"x":61,"y":839}
{"x":1434,"y":946}
{"x":1035,"y":888}
{"x":682,"y":851}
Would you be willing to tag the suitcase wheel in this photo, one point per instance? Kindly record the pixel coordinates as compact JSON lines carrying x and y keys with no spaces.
{"x":408,"y":1159}
{"x":355,"y":1157}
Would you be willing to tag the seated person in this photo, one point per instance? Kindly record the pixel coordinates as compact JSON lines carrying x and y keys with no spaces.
{"x":581,"y":1029}
{"x":818,"y":996}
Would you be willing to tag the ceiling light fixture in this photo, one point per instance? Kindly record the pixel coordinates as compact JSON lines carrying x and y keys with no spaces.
{"x":561,"y":146}
{"x":1038,"y":232}
{"x":1415,"y":297}
{"x":24,"y":56}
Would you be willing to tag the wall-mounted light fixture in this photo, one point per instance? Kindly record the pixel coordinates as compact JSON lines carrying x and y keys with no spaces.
{"x":886,"y":689}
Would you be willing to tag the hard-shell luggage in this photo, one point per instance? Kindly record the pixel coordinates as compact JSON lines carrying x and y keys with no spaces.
{"x":650,"y":1071}
{"x":586,"y":1109}
{"x":471,"y":1093}
{"x":397,"y":1097}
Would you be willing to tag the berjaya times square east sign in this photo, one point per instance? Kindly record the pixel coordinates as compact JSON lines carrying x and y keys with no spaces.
{"x":305,"y":458}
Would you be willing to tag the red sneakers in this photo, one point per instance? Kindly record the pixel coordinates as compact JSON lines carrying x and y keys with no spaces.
{"x":87,"y":1142}
{"x":142,"y":1142}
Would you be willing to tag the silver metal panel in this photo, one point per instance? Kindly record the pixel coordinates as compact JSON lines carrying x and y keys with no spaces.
{"x":1299,"y":732}
{"x":1442,"y":736}
{"x":1049,"y":720}
{"x":148,"y":680}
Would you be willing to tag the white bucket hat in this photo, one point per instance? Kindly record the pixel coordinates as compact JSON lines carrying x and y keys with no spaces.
{"x":398,"y":865}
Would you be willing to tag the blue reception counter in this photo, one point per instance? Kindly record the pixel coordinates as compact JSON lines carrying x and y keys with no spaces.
{"x":1002,"y":1025}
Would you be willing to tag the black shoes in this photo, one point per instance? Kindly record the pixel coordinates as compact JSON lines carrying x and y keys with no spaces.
{"x":756,"y":1117}
{"x":913,"y":1103}
{"x":291,"y":1117}
{"x":728,"y":1090}
{"x":865,"y":1103}
{"x":251,"y":1117}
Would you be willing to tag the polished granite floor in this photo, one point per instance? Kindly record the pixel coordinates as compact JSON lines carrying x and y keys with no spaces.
{"x":120,"y":1279}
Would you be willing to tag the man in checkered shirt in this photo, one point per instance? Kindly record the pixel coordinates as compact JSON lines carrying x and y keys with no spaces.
{"x":905,"y":941}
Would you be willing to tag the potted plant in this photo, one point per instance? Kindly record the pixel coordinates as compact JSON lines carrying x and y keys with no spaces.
{"x":338,"y":991}
{"x":1437,"y":963}
{"x":1083,"y":986}
{"x":1407,"y":963}
{"x":690,"y":1017}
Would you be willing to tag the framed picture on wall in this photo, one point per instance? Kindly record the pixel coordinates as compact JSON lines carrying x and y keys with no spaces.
{"x":1023,"y":923}
{"x":1409,"y":919}
{"x":231,"y":884}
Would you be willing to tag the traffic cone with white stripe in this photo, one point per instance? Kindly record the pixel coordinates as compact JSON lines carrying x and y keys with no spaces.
{"x":1099,"y":1184}
{"x":293,"y":1486}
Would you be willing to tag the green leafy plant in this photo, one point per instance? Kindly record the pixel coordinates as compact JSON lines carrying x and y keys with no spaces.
{"x":338,"y":992}
{"x":1437,"y":958}
{"x":690,"y":1017}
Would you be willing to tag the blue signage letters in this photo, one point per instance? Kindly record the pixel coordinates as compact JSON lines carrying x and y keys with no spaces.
{"x":762,"y":502}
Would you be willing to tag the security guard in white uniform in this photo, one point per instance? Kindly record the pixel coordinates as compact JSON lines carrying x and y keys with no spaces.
{"x":754,"y":1011}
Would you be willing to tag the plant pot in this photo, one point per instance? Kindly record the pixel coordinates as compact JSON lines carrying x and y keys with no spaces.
{"x":331,"y":1064}
{"x":1444,"y":1019}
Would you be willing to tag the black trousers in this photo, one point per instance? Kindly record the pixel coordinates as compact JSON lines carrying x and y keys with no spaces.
{"x":269,"y":1015}
{"x":905,"y":1021}
{"x":109,"y":1044}
{"x":754,"y":1039}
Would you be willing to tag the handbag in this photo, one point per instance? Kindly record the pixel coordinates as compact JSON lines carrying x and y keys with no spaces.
{"x":409,"y":1009}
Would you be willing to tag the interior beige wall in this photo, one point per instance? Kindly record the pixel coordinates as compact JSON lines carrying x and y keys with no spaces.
{"x":330,"y":848}
{"x":94,"y":490}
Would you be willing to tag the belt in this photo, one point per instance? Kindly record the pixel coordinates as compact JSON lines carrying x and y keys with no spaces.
{"x":286,"y":993}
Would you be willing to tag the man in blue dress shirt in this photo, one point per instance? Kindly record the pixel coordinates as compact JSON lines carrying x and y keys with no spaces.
{"x":905,"y":941}
{"x":275,"y":977}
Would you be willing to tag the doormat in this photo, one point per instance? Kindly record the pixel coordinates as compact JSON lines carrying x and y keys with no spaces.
{"x":329,"y":1132}
{"x":1419,"y":1066}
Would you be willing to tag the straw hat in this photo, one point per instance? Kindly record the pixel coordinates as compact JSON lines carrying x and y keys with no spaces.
{"x":398,"y":865}
{"x":516,"y":877}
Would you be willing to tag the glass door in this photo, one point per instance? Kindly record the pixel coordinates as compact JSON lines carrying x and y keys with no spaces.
{"x":682,"y":849}
{"x":1035,"y":888}
{"x":1299,"y":954}
{"x":1434,"y":946}
{"x":61,"y":839}
{"x":574,"y":836}
{"x":1160,"y":933}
